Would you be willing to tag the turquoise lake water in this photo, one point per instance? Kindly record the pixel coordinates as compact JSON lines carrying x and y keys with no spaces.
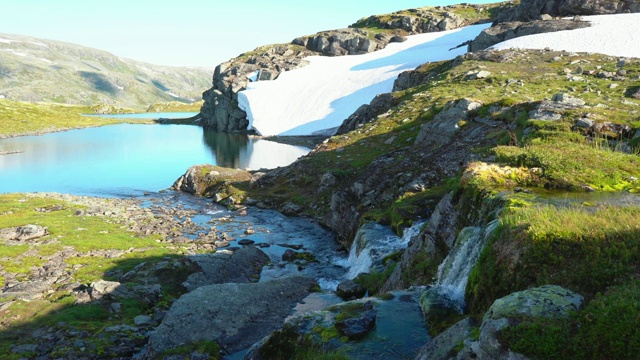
{"x":128,"y":159}
{"x":165,"y":115}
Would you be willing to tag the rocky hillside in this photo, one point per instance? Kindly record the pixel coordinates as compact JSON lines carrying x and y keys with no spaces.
{"x":521,"y":167}
{"x":530,"y":157}
{"x":220,"y":110}
{"x":34,"y":69}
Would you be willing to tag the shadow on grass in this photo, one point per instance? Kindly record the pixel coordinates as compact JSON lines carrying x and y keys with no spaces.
{"x":94,"y":321}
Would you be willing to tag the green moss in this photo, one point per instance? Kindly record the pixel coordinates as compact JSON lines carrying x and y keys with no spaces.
{"x":373,"y":281}
{"x":607,"y":328}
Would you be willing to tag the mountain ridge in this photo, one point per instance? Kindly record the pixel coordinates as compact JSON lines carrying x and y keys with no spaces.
{"x":34,"y":69}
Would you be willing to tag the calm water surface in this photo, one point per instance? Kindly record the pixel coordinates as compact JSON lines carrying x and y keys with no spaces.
{"x":128,"y":159}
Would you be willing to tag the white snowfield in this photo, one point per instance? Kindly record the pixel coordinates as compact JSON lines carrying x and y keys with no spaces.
{"x":615,"y":35}
{"x":324,"y":93}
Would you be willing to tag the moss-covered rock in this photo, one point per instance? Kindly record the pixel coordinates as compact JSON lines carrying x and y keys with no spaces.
{"x":214,"y":181}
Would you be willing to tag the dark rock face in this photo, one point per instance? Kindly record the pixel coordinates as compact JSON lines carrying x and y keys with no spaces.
{"x":349,"y":290}
{"x":529,"y":10}
{"x":510,"y":30}
{"x":233,"y":315}
{"x":367,"y":113}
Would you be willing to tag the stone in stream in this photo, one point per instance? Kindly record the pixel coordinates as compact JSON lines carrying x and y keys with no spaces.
{"x":246,"y":242}
{"x":349,"y":290}
{"x":359,"y":326}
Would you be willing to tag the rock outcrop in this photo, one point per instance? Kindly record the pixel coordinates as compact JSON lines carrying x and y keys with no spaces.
{"x":529,"y":10}
{"x":510,"y":30}
{"x":541,"y":16}
{"x":221,"y":111}
{"x":234,"y":316}
{"x":549,"y":301}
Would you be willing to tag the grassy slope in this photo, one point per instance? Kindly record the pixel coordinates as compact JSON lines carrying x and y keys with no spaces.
{"x":86,"y":235}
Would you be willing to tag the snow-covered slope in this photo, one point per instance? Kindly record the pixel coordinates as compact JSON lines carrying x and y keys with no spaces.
{"x":322,"y":94}
{"x":616,"y":35}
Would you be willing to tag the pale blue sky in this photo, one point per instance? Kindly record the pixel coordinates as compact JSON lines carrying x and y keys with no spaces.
{"x":187,"y":32}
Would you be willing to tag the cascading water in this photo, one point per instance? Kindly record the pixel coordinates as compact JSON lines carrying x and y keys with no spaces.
{"x":453,"y":272}
{"x":372,"y":243}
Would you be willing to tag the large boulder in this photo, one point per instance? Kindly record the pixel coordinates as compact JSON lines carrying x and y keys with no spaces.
{"x":549,"y":301}
{"x":210,"y":181}
{"x":234,"y":316}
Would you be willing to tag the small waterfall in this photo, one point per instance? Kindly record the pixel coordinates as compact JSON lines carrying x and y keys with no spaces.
{"x":372,"y":243}
{"x":453,"y":272}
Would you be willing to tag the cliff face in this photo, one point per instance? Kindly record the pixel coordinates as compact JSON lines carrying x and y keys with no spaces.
{"x":220,"y":110}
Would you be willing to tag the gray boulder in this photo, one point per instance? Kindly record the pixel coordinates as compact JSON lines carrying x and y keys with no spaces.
{"x":548,"y":301}
{"x":234,"y":316}
{"x":554,"y":110}
{"x":243,"y":266}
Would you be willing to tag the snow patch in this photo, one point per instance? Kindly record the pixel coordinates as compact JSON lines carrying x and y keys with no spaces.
{"x":172,"y":94}
{"x":7,"y":41}
{"x":324,"y":93}
{"x":615,"y":35}
{"x":39,"y":44}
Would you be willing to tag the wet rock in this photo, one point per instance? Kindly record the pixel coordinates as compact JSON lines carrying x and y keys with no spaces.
{"x":233,"y":315}
{"x":243,"y":266}
{"x":246,"y":242}
{"x":289,"y":255}
{"x":349,"y":290}
{"x":358,"y":327}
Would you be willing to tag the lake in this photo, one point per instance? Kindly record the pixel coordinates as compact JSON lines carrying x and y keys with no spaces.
{"x":128,"y":159}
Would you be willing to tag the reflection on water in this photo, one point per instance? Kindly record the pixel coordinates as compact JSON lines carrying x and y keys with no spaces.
{"x":127,"y":159}
{"x":228,"y":148}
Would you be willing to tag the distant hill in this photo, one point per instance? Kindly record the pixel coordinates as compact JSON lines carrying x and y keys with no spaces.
{"x":33,"y":69}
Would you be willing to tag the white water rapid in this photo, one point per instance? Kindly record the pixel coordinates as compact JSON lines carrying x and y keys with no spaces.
{"x":453,"y":272}
{"x":372,"y":243}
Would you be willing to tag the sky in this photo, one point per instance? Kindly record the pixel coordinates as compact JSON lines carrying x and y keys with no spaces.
{"x":188,"y":32}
